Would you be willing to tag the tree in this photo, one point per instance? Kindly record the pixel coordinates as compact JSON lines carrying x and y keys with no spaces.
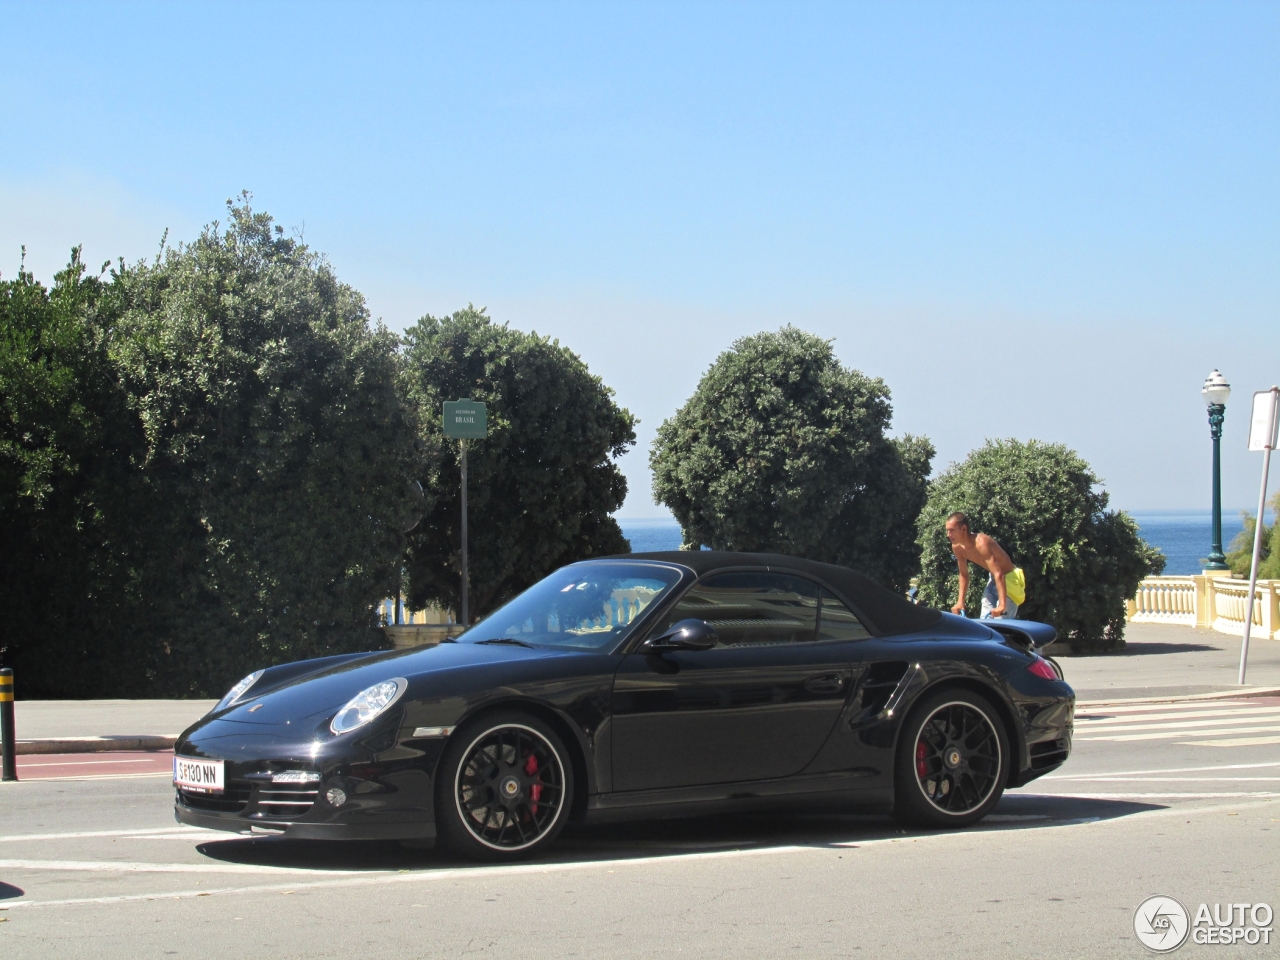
{"x":1240,"y":553}
{"x":277,"y":449}
{"x":542,"y":485}
{"x":248,"y":508}
{"x":783,"y":449}
{"x":65,"y":437}
{"x":1044,"y":505}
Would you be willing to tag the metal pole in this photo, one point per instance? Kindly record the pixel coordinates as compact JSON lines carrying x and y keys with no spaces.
{"x":7,"y":737}
{"x":1257,"y":543}
{"x":465,"y":611}
{"x":1217,"y":559}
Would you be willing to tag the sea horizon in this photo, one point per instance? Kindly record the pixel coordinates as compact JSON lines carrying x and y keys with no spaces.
{"x":1183,"y":535}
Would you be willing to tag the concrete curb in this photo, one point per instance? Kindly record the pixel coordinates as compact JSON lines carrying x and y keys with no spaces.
{"x":1156,"y":698}
{"x":96,"y":744}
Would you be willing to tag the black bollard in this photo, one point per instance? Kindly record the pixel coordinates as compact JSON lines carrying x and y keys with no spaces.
{"x":7,"y":738}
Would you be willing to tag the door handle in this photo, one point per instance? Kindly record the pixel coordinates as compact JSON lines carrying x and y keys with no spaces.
{"x":827,"y":683}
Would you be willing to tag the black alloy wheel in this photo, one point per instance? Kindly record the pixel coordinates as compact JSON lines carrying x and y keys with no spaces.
{"x":504,"y":789}
{"x":952,"y":762}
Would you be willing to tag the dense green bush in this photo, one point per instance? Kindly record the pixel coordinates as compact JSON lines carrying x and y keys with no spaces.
{"x":1240,"y":553}
{"x":783,"y":449}
{"x":66,"y":483}
{"x":541,"y":487}
{"x":1044,"y":505}
{"x":212,"y":453}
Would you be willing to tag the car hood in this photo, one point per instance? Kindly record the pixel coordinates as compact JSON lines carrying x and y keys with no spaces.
{"x":322,"y":693}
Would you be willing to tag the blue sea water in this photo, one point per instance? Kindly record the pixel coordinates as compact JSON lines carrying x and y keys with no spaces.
{"x":1183,"y":535}
{"x":650,"y":536}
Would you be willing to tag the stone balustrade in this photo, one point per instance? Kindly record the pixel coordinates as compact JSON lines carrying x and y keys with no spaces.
{"x":1205,"y":601}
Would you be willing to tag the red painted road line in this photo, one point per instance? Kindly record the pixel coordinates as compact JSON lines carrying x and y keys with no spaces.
{"x":54,"y":766}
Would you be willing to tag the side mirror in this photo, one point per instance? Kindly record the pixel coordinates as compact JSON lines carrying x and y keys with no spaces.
{"x":685,"y":635}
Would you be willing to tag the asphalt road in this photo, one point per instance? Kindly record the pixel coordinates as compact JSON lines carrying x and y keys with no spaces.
{"x":1181,"y":799}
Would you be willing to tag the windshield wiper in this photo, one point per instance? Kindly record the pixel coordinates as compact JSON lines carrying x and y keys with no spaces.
{"x":511,"y":641}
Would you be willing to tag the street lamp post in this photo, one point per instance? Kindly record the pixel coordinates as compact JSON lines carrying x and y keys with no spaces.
{"x":1215,"y":391}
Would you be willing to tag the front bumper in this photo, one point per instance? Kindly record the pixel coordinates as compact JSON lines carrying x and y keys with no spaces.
{"x":387,"y":787}
{"x":303,"y":830}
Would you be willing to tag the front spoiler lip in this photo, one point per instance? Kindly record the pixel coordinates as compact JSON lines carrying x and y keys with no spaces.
{"x":418,"y":829}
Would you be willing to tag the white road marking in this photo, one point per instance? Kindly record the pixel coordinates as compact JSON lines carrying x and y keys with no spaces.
{"x":1174,"y":734}
{"x":483,"y":873}
{"x":1180,"y":725}
{"x":1150,"y":707}
{"x":1191,"y":715}
{"x":1115,"y":779}
{"x":195,"y":833}
{"x":1131,"y":773}
{"x":1241,"y":742}
{"x":117,"y":866}
{"x":1250,"y":795}
{"x":168,"y":774}
{"x":449,"y":873}
{"x":84,"y":763}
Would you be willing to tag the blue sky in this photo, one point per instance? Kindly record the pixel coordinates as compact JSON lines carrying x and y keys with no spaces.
{"x":1033,"y":220}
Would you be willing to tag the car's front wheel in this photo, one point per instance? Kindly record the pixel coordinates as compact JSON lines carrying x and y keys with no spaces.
{"x":952,"y":761}
{"x":504,"y":788}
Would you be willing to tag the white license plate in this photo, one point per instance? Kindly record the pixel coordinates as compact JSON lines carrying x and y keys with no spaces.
{"x":202,"y":776}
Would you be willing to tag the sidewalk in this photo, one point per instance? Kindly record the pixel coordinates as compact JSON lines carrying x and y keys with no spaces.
{"x":1171,"y":661}
{"x":81,"y":726}
{"x":1159,"y":662}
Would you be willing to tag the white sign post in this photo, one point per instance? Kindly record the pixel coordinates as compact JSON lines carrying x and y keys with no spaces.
{"x":1262,"y":436}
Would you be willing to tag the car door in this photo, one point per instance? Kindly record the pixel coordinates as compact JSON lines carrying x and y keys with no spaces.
{"x":758,"y":705}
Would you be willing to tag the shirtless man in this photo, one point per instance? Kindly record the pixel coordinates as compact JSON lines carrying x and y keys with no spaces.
{"x":986,"y":553}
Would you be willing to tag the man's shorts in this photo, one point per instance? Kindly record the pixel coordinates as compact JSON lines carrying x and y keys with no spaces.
{"x":991,"y":599}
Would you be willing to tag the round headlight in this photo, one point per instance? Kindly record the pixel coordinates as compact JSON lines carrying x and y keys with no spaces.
{"x":368,"y":704}
{"x":236,"y":692}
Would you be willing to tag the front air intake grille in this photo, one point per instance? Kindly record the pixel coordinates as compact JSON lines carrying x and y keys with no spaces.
{"x":286,"y":800}
{"x":1048,"y":754}
{"x":232,"y":800}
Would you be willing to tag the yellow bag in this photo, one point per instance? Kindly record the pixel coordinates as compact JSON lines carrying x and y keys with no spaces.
{"x":1015,"y":585}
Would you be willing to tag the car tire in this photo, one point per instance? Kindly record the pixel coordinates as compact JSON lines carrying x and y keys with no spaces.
{"x":504,"y":788}
{"x":952,"y":761}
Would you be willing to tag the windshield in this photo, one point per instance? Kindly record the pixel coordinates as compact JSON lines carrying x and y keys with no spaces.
{"x":588,"y":606}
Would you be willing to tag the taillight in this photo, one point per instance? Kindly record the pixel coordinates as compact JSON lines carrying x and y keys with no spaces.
{"x":1042,"y":669}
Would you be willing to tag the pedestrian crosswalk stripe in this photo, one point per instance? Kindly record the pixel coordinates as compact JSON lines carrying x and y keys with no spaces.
{"x":1180,"y":725}
{"x":1219,"y":724}
{"x":1188,"y":715}
{"x":1146,"y":773}
{"x":1173,"y":733}
{"x":1188,"y":705}
{"x":1240,"y":742}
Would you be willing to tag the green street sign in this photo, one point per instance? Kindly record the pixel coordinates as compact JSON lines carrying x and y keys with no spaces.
{"x":465,"y":419}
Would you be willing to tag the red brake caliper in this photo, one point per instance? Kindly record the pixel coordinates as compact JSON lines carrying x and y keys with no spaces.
{"x":535,"y":791}
{"x":921,"y":769}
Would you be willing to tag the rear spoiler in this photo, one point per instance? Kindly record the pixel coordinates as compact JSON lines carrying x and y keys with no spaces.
{"x":1027,"y":633}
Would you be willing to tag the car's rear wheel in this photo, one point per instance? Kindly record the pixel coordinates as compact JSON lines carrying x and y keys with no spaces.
{"x":952,"y":761}
{"x":504,"y":788}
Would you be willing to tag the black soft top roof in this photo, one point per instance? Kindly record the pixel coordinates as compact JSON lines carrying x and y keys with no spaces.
{"x":883,"y":610}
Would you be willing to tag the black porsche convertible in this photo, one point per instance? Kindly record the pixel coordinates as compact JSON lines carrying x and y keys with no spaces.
{"x":642,"y":685}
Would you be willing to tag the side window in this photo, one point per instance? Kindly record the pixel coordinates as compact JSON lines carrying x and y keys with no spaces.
{"x":753,"y":608}
{"x":838,"y":621}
